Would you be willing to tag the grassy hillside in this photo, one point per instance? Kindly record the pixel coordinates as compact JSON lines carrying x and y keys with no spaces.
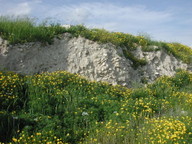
{"x":21,"y":30}
{"x":60,"y":107}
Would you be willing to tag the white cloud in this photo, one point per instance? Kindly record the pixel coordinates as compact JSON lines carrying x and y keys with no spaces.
{"x":20,"y":9}
{"x":99,"y":13}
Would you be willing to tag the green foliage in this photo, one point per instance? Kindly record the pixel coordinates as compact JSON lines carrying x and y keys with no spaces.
{"x":12,"y":91}
{"x":60,"y":107}
{"x":22,"y":30}
{"x":136,"y":62}
{"x":180,"y":51}
{"x":181,"y":79}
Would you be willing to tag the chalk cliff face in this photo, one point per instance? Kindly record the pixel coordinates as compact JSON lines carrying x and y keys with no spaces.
{"x":100,"y":62}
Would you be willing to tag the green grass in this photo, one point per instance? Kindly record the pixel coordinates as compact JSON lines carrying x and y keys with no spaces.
{"x":22,"y":30}
{"x":61,"y":107}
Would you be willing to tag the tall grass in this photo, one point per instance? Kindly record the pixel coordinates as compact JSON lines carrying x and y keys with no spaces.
{"x":22,"y":30}
{"x":60,"y":107}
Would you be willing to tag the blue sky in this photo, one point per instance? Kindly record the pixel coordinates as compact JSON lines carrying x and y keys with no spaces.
{"x":163,"y":20}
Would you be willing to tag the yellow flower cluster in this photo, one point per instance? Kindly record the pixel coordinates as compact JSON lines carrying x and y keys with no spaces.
{"x":165,"y":130}
{"x":111,"y":132}
{"x":184,"y":98}
{"x":181,"y":51}
{"x":38,"y":138}
{"x":8,"y":85}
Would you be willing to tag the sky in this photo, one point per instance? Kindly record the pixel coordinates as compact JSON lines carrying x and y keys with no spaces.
{"x":162,"y":20}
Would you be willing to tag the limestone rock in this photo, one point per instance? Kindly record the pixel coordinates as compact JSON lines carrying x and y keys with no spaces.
{"x":100,"y":62}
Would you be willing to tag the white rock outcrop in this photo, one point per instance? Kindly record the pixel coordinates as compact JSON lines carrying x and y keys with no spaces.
{"x":100,"y":62}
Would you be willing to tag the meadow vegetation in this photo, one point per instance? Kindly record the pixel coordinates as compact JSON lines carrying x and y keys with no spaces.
{"x":61,"y":107}
{"x":22,"y":30}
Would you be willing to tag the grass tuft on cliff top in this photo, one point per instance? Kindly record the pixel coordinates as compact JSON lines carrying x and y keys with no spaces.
{"x":23,"y":29}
